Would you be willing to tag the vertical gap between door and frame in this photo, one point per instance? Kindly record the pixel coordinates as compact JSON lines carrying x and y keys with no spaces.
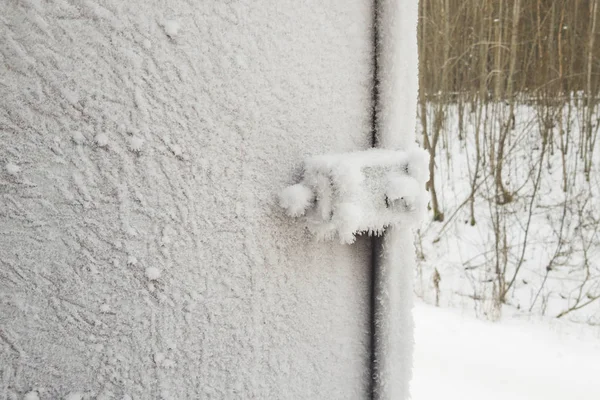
{"x":375,"y":240}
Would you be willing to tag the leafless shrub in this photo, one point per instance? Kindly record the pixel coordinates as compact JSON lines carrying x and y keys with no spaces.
{"x":482,"y":62}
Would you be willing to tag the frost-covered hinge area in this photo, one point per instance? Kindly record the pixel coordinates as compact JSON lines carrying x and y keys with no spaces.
{"x":342,"y":195}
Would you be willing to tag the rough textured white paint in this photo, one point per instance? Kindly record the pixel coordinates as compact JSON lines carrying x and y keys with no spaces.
{"x":255,"y":307}
{"x":396,"y":122}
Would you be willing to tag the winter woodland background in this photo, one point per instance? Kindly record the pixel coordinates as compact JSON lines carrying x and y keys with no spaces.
{"x":508,"y":110}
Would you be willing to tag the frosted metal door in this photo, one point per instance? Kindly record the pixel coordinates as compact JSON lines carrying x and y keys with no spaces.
{"x":142,"y":250}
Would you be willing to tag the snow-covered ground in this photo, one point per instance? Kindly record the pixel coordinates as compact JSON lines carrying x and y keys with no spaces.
{"x":560,"y":267}
{"x":460,"y":357}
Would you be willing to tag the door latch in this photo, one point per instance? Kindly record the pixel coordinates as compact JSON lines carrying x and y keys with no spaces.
{"x":343,"y":195}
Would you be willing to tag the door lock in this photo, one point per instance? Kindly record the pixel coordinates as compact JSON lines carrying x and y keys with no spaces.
{"x":343,"y":195}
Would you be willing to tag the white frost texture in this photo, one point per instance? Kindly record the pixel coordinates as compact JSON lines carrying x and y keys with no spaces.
{"x":74,"y":396}
{"x":146,"y":144}
{"x":78,"y":137}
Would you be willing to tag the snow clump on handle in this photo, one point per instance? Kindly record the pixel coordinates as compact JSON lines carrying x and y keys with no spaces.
{"x":296,"y":199}
{"x":403,"y":188}
{"x":345,"y":216}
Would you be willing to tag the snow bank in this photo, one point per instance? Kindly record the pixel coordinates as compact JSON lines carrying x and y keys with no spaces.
{"x":458,"y":357}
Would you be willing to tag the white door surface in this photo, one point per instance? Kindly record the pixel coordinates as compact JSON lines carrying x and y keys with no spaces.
{"x":142,"y":249}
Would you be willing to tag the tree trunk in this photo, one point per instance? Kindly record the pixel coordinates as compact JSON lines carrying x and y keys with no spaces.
{"x":504,"y":195}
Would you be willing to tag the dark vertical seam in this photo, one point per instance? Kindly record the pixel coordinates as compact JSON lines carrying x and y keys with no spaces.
{"x":375,"y":246}
{"x":375,"y":241}
{"x":375,"y":89}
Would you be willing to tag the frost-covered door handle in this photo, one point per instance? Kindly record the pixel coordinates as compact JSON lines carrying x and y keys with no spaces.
{"x":342,"y":195}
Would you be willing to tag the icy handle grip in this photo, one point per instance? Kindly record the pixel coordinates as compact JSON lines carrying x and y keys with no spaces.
{"x":343,"y":195}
